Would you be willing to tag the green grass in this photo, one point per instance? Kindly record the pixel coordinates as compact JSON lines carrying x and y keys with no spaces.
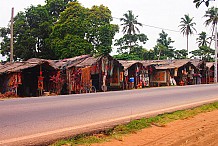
{"x":119,"y":131}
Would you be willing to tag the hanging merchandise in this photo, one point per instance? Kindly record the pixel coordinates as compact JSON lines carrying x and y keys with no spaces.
{"x":19,"y":79}
{"x":121,"y":76}
{"x":192,"y":71}
{"x":12,"y":80}
{"x":40,"y":82}
{"x":176,"y":72}
{"x":126,"y":73}
{"x":190,"y":68}
{"x":184,"y":71}
{"x":104,"y":64}
{"x":111,"y":67}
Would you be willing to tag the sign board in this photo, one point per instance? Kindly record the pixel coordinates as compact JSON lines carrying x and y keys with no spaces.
{"x":160,"y":77}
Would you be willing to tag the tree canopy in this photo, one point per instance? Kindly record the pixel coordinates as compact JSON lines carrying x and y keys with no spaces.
{"x":163,"y":49}
{"x":187,"y":27}
{"x":60,"y":29}
{"x":130,"y":44}
{"x":199,"y":2}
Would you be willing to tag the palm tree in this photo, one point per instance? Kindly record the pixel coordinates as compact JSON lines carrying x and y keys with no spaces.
{"x":129,"y":23}
{"x":202,"y":40}
{"x":187,"y":26}
{"x":212,"y":15}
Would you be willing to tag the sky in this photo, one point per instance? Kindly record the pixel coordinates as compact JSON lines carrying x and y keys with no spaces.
{"x":155,"y":15}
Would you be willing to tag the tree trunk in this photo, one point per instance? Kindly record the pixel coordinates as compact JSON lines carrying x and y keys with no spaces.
{"x":159,"y":55}
{"x":211,"y":39}
{"x":187,"y":45}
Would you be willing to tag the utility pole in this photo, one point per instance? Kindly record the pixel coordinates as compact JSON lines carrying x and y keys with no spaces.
{"x":12,"y":37}
{"x":215,"y":65}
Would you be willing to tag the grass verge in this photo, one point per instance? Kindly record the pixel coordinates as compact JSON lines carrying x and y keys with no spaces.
{"x":119,"y":131}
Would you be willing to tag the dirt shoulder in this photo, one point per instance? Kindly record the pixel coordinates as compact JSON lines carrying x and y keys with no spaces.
{"x":200,"y":130}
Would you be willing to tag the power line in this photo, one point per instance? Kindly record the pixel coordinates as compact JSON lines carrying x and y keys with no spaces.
{"x":161,"y":28}
{"x":154,"y":26}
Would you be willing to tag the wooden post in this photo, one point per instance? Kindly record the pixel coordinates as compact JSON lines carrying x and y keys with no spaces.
{"x":12,"y":37}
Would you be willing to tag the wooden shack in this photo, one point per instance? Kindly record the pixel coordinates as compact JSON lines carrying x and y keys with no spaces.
{"x":210,"y":72}
{"x":136,"y":73}
{"x":103,"y":72}
{"x":174,"y":72}
{"x":202,"y":71}
{"x":28,"y":78}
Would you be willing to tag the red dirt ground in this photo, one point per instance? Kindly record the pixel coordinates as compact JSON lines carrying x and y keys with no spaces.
{"x":201,"y":130}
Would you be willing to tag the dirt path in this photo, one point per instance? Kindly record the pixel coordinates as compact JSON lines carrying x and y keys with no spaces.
{"x":201,"y":130}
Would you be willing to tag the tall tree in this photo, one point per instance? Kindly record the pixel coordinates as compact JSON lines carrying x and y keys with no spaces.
{"x":202,"y":39}
{"x":101,"y":32}
{"x":187,"y":26}
{"x":212,"y":15}
{"x":130,"y":23}
{"x":163,"y":49}
{"x":136,"y":46}
{"x":55,"y":7}
{"x":204,"y":53}
{"x":5,"y":43}
{"x":180,"y":54}
{"x":80,"y":30}
{"x":32,"y":29}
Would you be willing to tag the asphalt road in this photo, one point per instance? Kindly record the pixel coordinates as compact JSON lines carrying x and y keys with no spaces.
{"x":29,"y":121}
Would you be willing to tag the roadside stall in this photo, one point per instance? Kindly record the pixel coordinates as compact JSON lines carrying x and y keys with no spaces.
{"x":202,"y":71}
{"x":28,"y":78}
{"x":210,"y":72}
{"x":102,"y":73}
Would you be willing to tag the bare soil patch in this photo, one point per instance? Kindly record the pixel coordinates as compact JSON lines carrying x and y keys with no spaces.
{"x":201,"y":130}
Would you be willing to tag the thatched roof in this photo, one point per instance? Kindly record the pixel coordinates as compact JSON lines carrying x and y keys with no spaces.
{"x":210,"y":64}
{"x":169,"y":64}
{"x":65,"y":63}
{"x":19,"y":66}
{"x":128,"y":63}
{"x":198,"y":63}
{"x":87,"y":62}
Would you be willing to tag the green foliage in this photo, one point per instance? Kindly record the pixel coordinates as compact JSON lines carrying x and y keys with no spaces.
{"x":212,"y":15}
{"x":60,"y":29}
{"x":180,"y":54}
{"x":187,"y":26}
{"x":149,"y":55}
{"x":32,"y":29}
{"x":199,"y":2}
{"x":130,"y":45}
{"x":136,"y":125}
{"x":128,"y":42}
{"x":5,"y":43}
{"x":129,"y":23}
{"x":101,"y":32}
{"x":83,"y":31}
{"x":163,"y":49}
{"x":202,"y":40}
{"x":55,"y":7}
{"x":204,"y":53}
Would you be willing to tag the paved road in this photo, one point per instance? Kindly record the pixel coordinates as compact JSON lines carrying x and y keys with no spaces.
{"x":29,"y":120}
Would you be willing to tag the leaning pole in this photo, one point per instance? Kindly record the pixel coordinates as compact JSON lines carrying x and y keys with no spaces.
{"x":12,"y":37}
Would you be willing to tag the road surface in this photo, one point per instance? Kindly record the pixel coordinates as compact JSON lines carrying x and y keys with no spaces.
{"x":28,"y":121}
